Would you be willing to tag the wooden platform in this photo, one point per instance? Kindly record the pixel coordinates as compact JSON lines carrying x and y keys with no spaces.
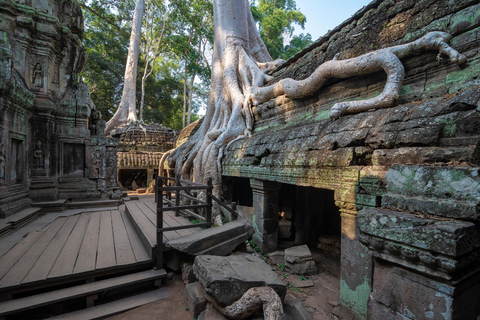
{"x":72,"y":248}
{"x":142,"y":214}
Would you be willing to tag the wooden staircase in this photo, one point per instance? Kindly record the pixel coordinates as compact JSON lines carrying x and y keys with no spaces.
{"x":90,"y":292}
{"x":120,"y":266}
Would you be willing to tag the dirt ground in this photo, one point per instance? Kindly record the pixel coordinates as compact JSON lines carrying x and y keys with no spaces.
{"x":319,"y":299}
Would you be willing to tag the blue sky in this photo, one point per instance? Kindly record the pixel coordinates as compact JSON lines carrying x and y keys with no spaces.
{"x":324,"y":15}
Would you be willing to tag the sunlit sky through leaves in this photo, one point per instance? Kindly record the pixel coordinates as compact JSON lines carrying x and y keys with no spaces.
{"x":324,"y":15}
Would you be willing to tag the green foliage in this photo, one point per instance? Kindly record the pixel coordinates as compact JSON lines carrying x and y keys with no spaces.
{"x":276,"y":19}
{"x":254,"y":245}
{"x":107,"y":33}
{"x":281,"y":266}
{"x":303,"y":278}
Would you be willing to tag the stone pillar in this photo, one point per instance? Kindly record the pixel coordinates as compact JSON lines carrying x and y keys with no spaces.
{"x":265,"y":214}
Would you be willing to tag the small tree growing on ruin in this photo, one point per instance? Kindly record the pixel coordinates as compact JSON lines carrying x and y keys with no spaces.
{"x":239,"y":66}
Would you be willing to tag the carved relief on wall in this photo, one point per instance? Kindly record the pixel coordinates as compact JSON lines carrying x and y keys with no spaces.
{"x":97,"y":161}
{"x":39,"y":155}
{"x":38,"y":67}
{"x":110,"y":175}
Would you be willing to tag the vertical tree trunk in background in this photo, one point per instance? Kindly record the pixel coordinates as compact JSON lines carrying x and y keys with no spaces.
{"x":126,"y":111}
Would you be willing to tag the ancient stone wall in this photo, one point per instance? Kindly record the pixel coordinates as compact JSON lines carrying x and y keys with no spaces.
{"x":435,"y":121}
{"x":141,"y":147}
{"x":52,"y":144}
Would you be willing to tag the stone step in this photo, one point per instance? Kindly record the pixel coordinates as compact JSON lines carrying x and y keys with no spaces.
{"x":84,"y":290}
{"x":19,"y":219}
{"x":53,"y":206}
{"x":95,"y":204}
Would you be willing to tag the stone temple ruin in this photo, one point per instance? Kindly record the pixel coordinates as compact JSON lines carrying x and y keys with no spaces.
{"x":394,"y":192}
{"x":52,"y":144}
{"x":398,"y":185}
{"x":139,"y":153}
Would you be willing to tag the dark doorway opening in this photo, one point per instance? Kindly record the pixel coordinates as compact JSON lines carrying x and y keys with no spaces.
{"x":132,"y":179}
{"x":309,"y":215}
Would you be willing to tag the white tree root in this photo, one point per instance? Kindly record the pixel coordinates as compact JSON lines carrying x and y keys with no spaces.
{"x":387,"y":59}
{"x":251,"y":301}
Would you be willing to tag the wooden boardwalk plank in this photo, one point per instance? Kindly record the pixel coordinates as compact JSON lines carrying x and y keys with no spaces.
{"x":172,"y":221}
{"x":123,"y":249}
{"x":42,"y":267}
{"x":152,"y":217}
{"x":101,"y":311}
{"x":35,"y":301}
{"x":16,"y":274}
{"x":138,"y":249}
{"x":106,"y":245}
{"x":9,"y":259}
{"x":87,"y":256}
{"x":68,"y":256}
{"x":148,"y":229}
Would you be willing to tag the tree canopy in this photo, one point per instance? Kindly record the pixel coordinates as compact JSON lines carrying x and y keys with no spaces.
{"x":175,"y":52}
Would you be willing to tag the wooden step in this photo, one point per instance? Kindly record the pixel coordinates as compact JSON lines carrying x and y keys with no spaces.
{"x":115,"y":307}
{"x":43,"y":299}
{"x":145,"y":229}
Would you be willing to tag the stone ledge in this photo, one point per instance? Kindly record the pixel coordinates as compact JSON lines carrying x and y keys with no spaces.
{"x":432,"y":246}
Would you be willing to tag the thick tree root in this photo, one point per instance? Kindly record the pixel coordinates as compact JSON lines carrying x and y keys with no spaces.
{"x":251,"y":301}
{"x":387,"y":59}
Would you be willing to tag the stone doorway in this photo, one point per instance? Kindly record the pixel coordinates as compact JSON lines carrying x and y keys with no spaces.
{"x":308,"y":215}
{"x":132,"y":179}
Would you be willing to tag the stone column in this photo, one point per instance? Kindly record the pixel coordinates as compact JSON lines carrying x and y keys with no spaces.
{"x":265,"y":214}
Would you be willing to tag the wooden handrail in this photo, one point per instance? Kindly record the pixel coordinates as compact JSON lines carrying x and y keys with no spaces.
{"x":161,"y":185}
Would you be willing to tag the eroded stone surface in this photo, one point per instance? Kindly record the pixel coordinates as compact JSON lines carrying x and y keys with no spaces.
{"x":226,"y":279}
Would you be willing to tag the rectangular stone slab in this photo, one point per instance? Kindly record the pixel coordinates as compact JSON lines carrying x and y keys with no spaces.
{"x":226,"y":279}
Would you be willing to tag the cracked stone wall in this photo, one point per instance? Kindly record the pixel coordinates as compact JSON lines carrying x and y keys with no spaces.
{"x":435,"y":121}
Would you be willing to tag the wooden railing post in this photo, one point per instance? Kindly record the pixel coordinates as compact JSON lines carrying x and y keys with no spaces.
{"x":177,"y":194}
{"x":209,"y":201}
{"x":159,"y":251}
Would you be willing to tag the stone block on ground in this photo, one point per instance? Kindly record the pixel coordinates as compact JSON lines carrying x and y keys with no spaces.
{"x":277,"y":257}
{"x":226,"y":279}
{"x":134,"y":186}
{"x":299,"y":260}
{"x":284,"y":229}
{"x":295,"y":310}
{"x":188,"y":276}
{"x":211,"y":313}
{"x":219,"y":241}
{"x":195,"y":298}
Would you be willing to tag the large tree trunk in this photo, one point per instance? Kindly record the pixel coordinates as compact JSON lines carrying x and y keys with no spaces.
{"x":126,"y":111}
{"x":238,"y":56}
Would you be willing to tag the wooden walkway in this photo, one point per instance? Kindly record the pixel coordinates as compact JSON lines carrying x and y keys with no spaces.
{"x":85,"y":246}
{"x":81,"y":244}
{"x":143,"y":213}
